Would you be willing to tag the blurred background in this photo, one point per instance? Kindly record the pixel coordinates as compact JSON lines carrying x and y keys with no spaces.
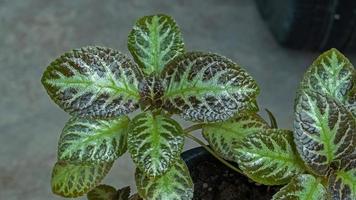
{"x":35,"y":32}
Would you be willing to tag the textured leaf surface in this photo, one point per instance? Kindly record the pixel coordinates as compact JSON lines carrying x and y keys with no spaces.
{"x":176,"y":184}
{"x":154,"y":41}
{"x":324,"y":131}
{"x":151,"y":92}
{"x":93,"y":140}
{"x":302,"y":187}
{"x":207,"y":87}
{"x":342,"y":183}
{"x":102,"y":192}
{"x":74,"y":180}
{"x":155,"y":142}
{"x":222,"y":136}
{"x":333,"y":74}
{"x":268,"y":157}
{"x":93,"y":81}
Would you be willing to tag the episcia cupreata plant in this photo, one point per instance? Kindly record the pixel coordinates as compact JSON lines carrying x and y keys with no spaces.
{"x":100,"y":86}
{"x":318,"y":160}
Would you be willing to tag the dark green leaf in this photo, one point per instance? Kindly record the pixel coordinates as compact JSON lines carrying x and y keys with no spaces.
{"x":93,"y":140}
{"x":93,"y":82}
{"x":207,"y":87}
{"x":332,"y":74}
{"x":324,"y":131}
{"x":269,"y":157}
{"x":222,"y":136}
{"x":154,"y":41}
{"x":175,"y":184}
{"x":302,"y":187}
{"x":74,"y":180}
{"x":102,"y":192}
{"x":155,"y":142}
{"x":123,"y":193}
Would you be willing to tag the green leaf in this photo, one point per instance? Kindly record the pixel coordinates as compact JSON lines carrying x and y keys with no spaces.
{"x":269,"y":157}
{"x":151,"y":92}
{"x":155,"y":142}
{"x":342,"y":183}
{"x":93,"y":140}
{"x":175,"y":184}
{"x":103,"y":192}
{"x":222,"y":136}
{"x":324,"y":131}
{"x":302,"y":187}
{"x":333,"y":74}
{"x":74,"y":180}
{"x":207,"y":87}
{"x":93,"y":82}
{"x":154,"y":41}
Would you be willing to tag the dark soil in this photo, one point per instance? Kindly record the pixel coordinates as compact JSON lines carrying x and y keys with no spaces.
{"x":214,"y":181}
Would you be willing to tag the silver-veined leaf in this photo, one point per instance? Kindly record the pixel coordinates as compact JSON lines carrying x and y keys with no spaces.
{"x":103,"y":192}
{"x":207,"y":87}
{"x":154,"y":41}
{"x":74,"y":180}
{"x":93,"y":82}
{"x":222,"y":136}
{"x":93,"y":140}
{"x":175,"y":184}
{"x":269,"y":157}
{"x":342,"y":183}
{"x":155,"y":142}
{"x":302,"y":187}
{"x":333,"y":74}
{"x":151,"y":92}
{"x":324,"y":131}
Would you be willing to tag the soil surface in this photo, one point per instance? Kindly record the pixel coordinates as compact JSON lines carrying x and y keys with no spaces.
{"x":214,"y":181}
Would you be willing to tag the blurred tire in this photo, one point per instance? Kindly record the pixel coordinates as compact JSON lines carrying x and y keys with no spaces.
{"x":311,"y":24}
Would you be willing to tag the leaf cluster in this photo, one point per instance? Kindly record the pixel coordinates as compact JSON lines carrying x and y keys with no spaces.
{"x":315,"y":161}
{"x":100,"y":86}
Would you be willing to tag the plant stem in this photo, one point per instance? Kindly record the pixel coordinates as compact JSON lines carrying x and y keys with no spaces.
{"x":193,"y":128}
{"x":197,"y":140}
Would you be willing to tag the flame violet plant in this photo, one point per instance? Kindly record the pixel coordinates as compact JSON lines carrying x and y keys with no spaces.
{"x":99,"y":86}
{"x":318,"y":160}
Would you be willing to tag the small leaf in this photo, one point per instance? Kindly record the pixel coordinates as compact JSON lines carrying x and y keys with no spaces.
{"x":74,"y":180}
{"x":93,"y":140}
{"x":151,"y":92}
{"x":342,"y":183}
{"x":269,"y":157}
{"x":324,"y":131}
{"x":93,"y":82}
{"x":155,"y":142}
{"x":154,"y":41}
{"x":332,"y":74}
{"x":102,"y":192}
{"x":175,"y":184}
{"x":207,"y":87}
{"x":222,"y":136}
{"x":302,"y":187}
{"x":123,"y":193}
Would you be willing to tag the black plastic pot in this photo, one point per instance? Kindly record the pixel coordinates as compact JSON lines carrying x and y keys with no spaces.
{"x":214,"y":181}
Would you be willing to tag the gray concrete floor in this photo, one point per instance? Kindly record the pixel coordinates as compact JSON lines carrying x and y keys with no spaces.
{"x":34,"y":32}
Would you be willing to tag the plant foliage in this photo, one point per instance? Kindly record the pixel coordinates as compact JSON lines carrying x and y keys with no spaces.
{"x":99,"y":87}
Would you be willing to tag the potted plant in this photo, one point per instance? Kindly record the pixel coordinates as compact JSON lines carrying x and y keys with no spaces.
{"x":100,"y":86}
